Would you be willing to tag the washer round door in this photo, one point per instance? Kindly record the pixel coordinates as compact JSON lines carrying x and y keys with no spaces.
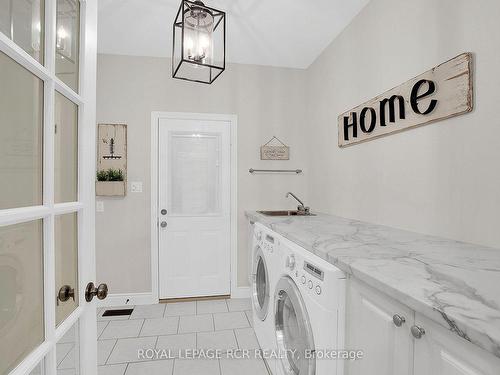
{"x":260,"y":284}
{"x":293,"y":329}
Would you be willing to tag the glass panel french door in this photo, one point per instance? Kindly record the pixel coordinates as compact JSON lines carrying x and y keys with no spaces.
{"x":23,"y":22}
{"x":67,"y":42}
{"x":21,"y":137}
{"x":21,"y":291}
{"x":47,"y":153}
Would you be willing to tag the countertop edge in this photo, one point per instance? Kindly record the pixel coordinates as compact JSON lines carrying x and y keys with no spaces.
{"x":449,"y":322}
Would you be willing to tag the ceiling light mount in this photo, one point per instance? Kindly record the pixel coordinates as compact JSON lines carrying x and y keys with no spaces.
{"x":199,"y":45}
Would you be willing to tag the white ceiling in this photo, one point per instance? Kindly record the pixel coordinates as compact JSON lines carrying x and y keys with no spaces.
{"x":285,"y":33}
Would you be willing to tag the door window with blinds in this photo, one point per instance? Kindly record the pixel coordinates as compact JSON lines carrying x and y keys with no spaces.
{"x":195,"y":174}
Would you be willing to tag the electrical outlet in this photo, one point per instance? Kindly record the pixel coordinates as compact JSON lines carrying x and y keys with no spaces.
{"x":99,"y":206}
{"x":136,"y":187}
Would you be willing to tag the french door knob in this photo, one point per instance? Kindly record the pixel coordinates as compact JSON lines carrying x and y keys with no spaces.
{"x":163,"y":224}
{"x":91,"y":291}
{"x":65,"y":293}
{"x":163,"y":211}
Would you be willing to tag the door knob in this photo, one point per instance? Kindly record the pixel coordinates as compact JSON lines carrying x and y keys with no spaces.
{"x":163,"y":224}
{"x":417,"y":332}
{"x":398,"y":320}
{"x":163,"y":211}
{"x":91,"y":291}
{"x":65,"y":293}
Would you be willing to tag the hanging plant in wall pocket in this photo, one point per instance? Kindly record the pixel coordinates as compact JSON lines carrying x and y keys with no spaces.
{"x":274,"y":149}
{"x":112,"y":160}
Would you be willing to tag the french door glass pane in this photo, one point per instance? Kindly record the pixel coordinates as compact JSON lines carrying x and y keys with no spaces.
{"x":194,"y":177}
{"x":68,"y":352}
{"x":21,"y":132}
{"x":68,"y":42}
{"x":21,"y":292}
{"x":22,"y":21}
{"x":66,"y":257}
{"x":66,"y":150}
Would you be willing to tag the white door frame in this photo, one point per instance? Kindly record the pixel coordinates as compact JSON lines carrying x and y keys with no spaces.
{"x":155,"y":123}
{"x":84,"y":207}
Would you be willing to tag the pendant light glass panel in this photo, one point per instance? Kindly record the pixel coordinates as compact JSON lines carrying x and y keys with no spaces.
{"x":199,"y":43}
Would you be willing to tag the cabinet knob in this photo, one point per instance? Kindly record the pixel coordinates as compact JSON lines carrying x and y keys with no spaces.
{"x":417,"y":332}
{"x":398,"y":320}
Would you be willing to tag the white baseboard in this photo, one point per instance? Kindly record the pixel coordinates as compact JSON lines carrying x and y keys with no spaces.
{"x":127,"y":299}
{"x":148,"y":298}
{"x":241,"y":292}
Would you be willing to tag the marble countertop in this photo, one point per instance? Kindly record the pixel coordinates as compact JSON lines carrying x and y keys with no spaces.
{"x":453,"y":283}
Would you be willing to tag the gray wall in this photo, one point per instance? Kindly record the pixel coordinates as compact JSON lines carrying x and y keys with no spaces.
{"x":441,"y":179}
{"x":268,"y":101}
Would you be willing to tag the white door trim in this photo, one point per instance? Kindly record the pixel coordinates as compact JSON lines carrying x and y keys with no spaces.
{"x":155,"y":119}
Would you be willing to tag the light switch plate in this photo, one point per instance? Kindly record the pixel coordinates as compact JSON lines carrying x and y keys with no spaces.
{"x":136,"y":187}
{"x":99,"y":206}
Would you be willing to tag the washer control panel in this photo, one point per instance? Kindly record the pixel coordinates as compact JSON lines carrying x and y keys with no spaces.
{"x":306,"y":275}
{"x":268,"y":242}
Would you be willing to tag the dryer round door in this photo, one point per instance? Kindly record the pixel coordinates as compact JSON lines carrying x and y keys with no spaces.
{"x":294,"y":334}
{"x":260,"y":284}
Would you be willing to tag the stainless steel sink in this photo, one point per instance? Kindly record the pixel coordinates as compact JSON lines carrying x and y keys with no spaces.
{"x":285,"y":213}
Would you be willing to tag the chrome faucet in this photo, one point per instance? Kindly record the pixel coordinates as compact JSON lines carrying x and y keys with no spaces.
{"x":301,"y":208}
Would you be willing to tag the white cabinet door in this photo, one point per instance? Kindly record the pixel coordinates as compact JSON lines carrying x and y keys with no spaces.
{"x":442,"y":352}
{"x":387,"y":348}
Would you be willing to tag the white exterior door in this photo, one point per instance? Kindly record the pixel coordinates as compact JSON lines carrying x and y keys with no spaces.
{"x":47,"y":172}
{"x":194,"y":178}
{"x":388,"y":349}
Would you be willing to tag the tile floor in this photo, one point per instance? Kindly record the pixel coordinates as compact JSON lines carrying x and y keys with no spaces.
{"x":218,"y":324}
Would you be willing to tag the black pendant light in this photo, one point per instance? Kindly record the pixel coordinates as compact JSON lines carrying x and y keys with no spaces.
{"x":199,"y":45}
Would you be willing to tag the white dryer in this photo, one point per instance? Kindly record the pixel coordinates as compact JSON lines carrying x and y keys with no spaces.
{"x":266,"y":261}
{"x":309,"y":303}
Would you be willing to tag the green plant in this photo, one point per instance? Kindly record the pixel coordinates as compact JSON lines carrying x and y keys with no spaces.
{"x":110,"y":175}
{"x":115,"y":175}
{"x":102,"y":176}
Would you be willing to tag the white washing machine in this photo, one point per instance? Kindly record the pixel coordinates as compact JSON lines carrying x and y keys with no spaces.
{"x":266,"y":261}
{"x":309,"y":303}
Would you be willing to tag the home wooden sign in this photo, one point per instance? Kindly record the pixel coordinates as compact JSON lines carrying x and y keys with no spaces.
{"x":440,"y":93}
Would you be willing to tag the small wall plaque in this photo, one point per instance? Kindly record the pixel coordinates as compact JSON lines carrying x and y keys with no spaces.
{"x":274,"y":149}
{"x":112,"y":160}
